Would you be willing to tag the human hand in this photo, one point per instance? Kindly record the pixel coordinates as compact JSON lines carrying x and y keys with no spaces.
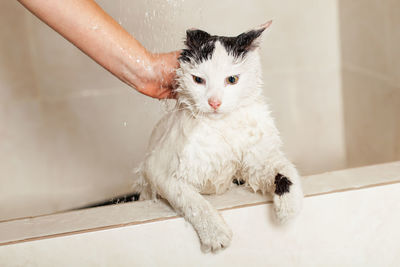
{"x":157,"y":79}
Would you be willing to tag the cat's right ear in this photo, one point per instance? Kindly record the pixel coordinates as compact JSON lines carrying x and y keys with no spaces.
{"x":195,"y":38}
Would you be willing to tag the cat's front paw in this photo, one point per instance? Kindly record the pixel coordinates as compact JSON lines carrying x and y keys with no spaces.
{"x":288,"y":205}
{"x":215,"y":236}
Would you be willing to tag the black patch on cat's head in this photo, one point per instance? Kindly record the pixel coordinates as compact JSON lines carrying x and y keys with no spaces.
{"x":200,"y":44}
{"x":239,"y":46}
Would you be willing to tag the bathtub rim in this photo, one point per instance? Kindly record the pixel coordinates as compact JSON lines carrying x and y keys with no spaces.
{"x":14,"y":231}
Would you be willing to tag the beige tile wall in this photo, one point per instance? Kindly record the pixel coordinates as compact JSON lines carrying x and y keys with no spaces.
{"x":71,"y":132}
{"x":370,"y":41}
{"x":16,"y":71}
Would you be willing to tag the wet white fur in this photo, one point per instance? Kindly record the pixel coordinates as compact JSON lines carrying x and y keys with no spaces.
{"x":195,"y":151}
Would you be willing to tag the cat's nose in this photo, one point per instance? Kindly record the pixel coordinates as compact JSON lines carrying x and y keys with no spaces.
{"x":214,"y":103}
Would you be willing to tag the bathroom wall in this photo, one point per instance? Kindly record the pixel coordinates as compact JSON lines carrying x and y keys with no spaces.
{"x":19,"y":109}
{"x":370,"y":41}
{"x":71,"y":133}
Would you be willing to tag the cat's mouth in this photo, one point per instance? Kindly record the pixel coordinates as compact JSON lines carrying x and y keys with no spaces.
{"x":216,"y":114}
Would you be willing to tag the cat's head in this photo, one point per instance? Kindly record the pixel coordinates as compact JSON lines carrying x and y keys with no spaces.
{"x":219,"y":74}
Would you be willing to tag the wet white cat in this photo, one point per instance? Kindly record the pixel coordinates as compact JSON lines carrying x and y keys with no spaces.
{"x":221,"y":129}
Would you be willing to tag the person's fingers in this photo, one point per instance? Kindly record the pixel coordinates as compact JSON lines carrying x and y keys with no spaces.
{"x":155,"y":90}
{"x":161,"y":82}
{"x":171,"y":63}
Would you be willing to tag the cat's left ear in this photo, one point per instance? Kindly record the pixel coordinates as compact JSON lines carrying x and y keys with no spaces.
{"x":251,"y":39}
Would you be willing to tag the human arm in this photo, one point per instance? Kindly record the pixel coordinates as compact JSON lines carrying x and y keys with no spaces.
{"x":88,"y":27}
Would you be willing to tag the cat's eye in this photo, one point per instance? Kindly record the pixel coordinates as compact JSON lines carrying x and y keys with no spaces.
{"x":198,"y":80}
{"x":232,"y":79}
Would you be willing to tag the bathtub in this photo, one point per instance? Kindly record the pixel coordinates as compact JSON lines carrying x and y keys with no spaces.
{"x":350,"y":218}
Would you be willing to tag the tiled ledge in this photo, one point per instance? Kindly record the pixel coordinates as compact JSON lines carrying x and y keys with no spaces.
{"x":107,"y":217}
